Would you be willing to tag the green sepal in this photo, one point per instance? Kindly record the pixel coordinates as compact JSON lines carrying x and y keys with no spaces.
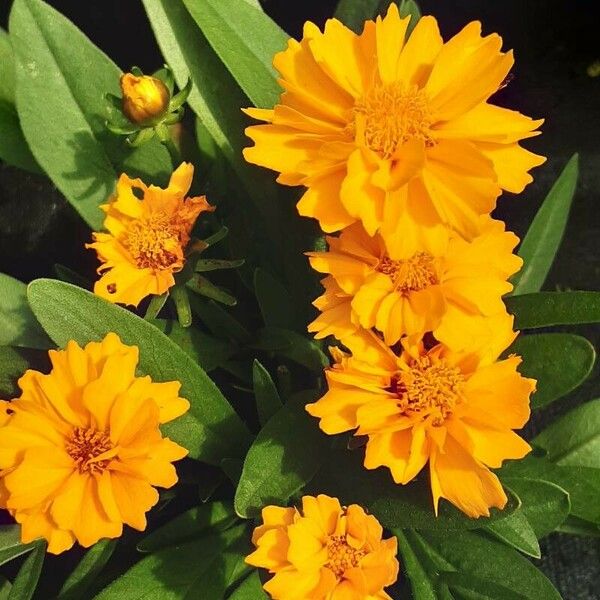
{"x":179,"y":99}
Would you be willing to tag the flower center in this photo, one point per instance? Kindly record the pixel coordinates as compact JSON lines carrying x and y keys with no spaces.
{"x":432,"y":388}
{"x":341,"y":555}
{"x":390,"y":115}
{"x":153,"y":242}
{"x":412,"y":274}
{"x":85,"y":445}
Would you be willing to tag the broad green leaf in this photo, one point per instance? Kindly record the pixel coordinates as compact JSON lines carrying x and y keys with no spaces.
{"x":13,"y":147}
{"x":353,"y":13}
{"x":560,"y":362}
{"x":60,"y":101}
{"x":473,"y":554}
{"x":89,"y":567}
{"x":539,"y":247}
{"x":420,"y":580}
{"x":198,"y":569}
{"x":267,"y":397}
{"x":517,"y":532}
{"x":191,"y":525}
{"x":396,"y":506}
{"x":285,"y":455}
{"x":575,"y":526}
{"x":25,"y":582}
{"x":7,"y":69}
{"x":274,"y":301}
{"x":208,"y":351}
{"x":10,"y":543}
{"x":18,"y":325}
{"x":211,"y":430}
{"x":471,"y":587}
{"x":574,"y":440}
{"x":249,"y":589}
{"x":249,"y":58}
{"x":547,"y":309}
{"x":5,"y":586}
{"x":13,"y":363}
{"x":544,"y":504}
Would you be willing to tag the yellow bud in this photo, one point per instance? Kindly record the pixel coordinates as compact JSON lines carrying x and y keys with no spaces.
{"x":144,"y":98}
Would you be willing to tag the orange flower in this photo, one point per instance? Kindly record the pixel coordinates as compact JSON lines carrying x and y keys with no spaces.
{"x":146,"y":239}
{"x":323,"y":552}
{"x":429,"y":280}
{"x":145,"y":98}
{"x":81,"y":449}
{"x":455,"y":410}
{"x":376,"y":125}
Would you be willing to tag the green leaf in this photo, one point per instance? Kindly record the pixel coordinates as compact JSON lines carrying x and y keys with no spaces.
{"x":191,"y":525}
{"x":547,"y":309}
{"x":471,"y":587}
{"x":201,"y":285}
{"x":406,"y":506}
{"x":474,"y":555}
{"x":60,"y":101}
{"x":7,"y":69}
{"x":218,"y":320}
{"x":539,"y":247}
{"x":517,"y":532}
{"x":18,"y":325}
{"x":354,"y":13}
{"x":285,"y":455}
{"x":274,"y":301}
{"x":214,"y":264}
{"x":249,"y":58}
{"x":575,"y":526}
{"x":13,"y":146}
{"x":5,"y":586}
{"x":420,"y":581}
{"x":208,"y":351}
{"x":410,"y":8}
{"x":293,"y":346}
{"x":211,"y":430}
{"x":267,"y":397}
{"x":89,"y":567}
{"x":199,"y":569}
{"x":544,"y":504}
{"x":13,"y":363}
{"x":560,"y":362}
{"x":574,"y":440}
{"x":249,"y":589}
{"x":27,"y":578}
{"x":10,"y":543}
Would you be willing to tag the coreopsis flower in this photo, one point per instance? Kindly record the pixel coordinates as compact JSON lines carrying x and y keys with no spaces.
{"x":148,"y":231}
{"x":145,"y":98}
{"x":324,"y":551}
{"x":454,"y":410}
{"x":376,"y":125}
{"x":81,"y":451}
{"x":430,"y":279}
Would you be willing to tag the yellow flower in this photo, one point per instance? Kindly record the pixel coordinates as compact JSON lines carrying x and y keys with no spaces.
{"x":455,"y":410}
{"x":81,"y":450}
{"x":323,"y":552}
{"x":376,"y":125}
{"x":146,"y":238}
{"x":145,"y":98}
{"x":430,"y":279}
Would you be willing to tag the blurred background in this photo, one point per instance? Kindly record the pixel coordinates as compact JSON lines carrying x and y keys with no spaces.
{"x":556,"y":76}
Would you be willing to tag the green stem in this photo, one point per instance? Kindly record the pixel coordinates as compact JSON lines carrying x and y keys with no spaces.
{"x":166,"y":140}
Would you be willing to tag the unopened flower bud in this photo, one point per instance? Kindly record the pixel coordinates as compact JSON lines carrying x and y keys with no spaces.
{"x":145,"y":98}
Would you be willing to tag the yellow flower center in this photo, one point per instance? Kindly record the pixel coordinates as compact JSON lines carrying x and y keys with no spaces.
{"x":85,"y":445}
{"x":153,"y":242}
{"x":432,"y":388}
{"x":342,"y":556}
{"x":390,"y":115}
{"x":412,"y":274}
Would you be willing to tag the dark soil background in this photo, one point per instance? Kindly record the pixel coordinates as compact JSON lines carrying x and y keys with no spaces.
{"x":554,"y":41}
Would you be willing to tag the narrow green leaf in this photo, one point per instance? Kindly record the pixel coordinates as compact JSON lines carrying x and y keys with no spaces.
{"x":196,"y":523}
{"x":574,"y":440}
{"x":396,"y":506}
{"x":560,"y":362}
{"x":180,"y":298}
{"x":274,"y":301}
{"x":24,"y":585}
{"x":214,"y":264}
{"x":285,"y":455}
{"x":517,"y":532}
{"x":18,"y":325}
{"x":547,"y":309}
{"x":60,"y":101}
{"x":5,"y":586}
{"x":10,"y":543}
{"x":89,"y":567}
{"x":211,"y":430}
{"x":540,"y":245}
{"x":410,"y":8}
{"x":218,"y":320}
{"x":201,"y":285}
{"x":155,"y":305}
{"x":544,"y":504}
{"x":267,"y":397}
{"x":249,"y":58}
{"x":420,"y":581}
{"x":249,"y":589}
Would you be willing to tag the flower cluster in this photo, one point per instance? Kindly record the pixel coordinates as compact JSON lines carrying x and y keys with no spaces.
{"x":401,"y":152}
